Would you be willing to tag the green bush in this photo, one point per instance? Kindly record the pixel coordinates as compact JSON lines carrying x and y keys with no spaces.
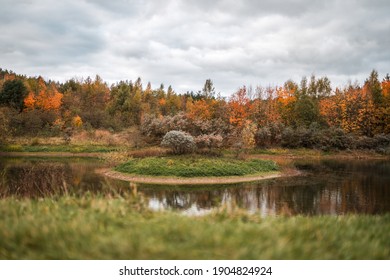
{"x":326,"y":139}
{"x":263,"y":137}
{"x":270,"y":135}
{"x":291,"y":139}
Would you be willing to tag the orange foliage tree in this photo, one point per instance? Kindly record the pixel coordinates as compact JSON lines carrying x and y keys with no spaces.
{"x":239,"y":107}
{"x":199,"y":109}
{"x":351,"y":109}
{"x":330,"y":109}
{"x":385,"y":110}
{"x":265,"y":108}
{"x":43,"y":97}
{"x":286,"y":99}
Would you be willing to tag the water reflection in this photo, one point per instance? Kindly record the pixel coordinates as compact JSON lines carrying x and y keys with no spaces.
{"x":328,"y":187}
{"x":47,"y":177}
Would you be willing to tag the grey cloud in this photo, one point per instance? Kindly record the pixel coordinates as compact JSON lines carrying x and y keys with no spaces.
{"x":185,"y":42}
{"x":253,"y":8}
{"x":43,"y":34}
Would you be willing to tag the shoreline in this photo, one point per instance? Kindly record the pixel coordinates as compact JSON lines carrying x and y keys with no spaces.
{"x":314,"y":154}
{"x":195,"y":180}
{"x":49,"y":154}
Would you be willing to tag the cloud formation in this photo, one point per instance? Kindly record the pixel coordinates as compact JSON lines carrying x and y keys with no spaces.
{"x":183,"y":43}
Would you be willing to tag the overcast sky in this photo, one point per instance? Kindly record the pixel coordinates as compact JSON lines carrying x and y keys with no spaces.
{"x":183,"y":43}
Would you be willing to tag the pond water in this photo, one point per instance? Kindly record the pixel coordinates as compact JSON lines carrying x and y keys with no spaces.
{"x":331,"y":187}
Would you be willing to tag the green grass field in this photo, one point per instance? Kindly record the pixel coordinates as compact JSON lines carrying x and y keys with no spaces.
{"x":195,"y":166}
{"x":122,"y":228}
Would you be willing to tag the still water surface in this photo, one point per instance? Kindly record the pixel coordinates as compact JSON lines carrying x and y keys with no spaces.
{"x":334,"y":187}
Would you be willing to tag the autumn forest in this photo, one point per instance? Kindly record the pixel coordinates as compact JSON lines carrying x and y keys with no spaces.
{"x":309,"y":113}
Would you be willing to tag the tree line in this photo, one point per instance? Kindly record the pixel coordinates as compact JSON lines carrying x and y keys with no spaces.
{"x":295,"y":114}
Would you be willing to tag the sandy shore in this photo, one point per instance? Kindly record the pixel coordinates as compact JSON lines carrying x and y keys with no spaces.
{"x":193,"y":181}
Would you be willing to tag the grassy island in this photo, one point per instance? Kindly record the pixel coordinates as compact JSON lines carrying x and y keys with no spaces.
{"x":195,"y":166}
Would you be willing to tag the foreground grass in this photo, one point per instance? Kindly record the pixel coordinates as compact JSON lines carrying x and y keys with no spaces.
{"x":195,"y":166}
{"x":118,"y":228}
{"x":58,"y":148}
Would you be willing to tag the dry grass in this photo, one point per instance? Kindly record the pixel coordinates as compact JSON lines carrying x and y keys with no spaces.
{"x":130,"y":138}
{"x":34,"y":141}
{"x":99,"y":137}
{"x":149,"y":152}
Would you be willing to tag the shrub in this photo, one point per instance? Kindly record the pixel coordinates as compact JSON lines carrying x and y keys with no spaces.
{"x":153,"y":127}
{"x":248,"y":135}
{"x":209,"y":144}
{"x":290,"y":138}
{"x":270,"y":135}
{"x":324,"y":139}
{"x":337,"y":139}
{"x":209,"y":141}
{"x":179,"y":142}
{"x":263,"y":137}
{"x":156,"y":127}
{"x":380,"y":141}
{"x":214,"y":126}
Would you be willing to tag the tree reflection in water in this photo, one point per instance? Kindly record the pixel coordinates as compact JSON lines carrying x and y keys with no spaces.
{"x":36,"y":178}
{"x":327,"y":187}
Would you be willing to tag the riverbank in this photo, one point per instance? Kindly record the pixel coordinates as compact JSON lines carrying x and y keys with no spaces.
{"x":59,"y":149}
{"x":49,"y":154}
{"x":100,"y":150}
{"x":275,"y":153}
{"x":194,"y":169}
{"x":193,"y":181}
